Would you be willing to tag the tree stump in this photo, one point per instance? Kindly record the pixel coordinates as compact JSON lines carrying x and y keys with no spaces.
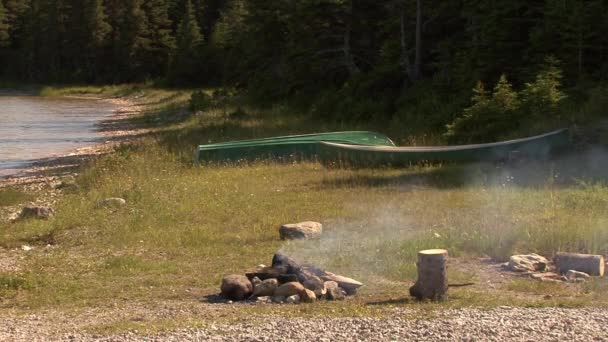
{"x":593,"y":265}
{"x":432,"y":275}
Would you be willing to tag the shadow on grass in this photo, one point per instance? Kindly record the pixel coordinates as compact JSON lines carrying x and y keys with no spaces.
{"x":566,"y":170}
{"x":397,"y":301}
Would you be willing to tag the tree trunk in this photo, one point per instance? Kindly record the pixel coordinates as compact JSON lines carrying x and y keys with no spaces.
{"x":405,"y":58}
{"x":349,"y":59}
{"x":432,"y":275}
{"x":593,"y":265}
{"x":417,"y":74}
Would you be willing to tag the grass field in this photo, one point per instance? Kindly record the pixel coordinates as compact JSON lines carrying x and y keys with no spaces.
{"x":186,"y":226}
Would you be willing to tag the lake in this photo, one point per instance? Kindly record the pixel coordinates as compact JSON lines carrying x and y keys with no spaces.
{"x":33,"y":127}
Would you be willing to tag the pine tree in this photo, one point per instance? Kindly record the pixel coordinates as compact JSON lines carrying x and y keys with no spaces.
{"x":543,"y":96}
{"x":132,"y":33}
{"x":161,"y":41}
{"x":4,"y":28}
{"x":188,"y":41}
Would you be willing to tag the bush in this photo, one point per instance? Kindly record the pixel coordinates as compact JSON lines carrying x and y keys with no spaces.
{"x":200,"y":101}
{"x":490,"y":117}
{"x":541,"y":98}
{"x":500,"y":115}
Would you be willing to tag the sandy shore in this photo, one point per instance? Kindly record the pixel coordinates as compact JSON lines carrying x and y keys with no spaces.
{"x":116,"y":130}
{"x":41,"y":177}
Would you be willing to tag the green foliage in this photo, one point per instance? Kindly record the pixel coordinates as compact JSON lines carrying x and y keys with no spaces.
{"x":489,"y":117}
{"x":11,"y":196}
{"x":4,"y":28}
{"x":12,"y":282}
{"x":200,"y":101}
{"x":185,"y":60}
{"x":541,"y":98}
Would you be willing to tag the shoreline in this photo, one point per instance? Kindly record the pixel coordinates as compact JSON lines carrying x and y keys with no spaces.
{"x":115,"y":130}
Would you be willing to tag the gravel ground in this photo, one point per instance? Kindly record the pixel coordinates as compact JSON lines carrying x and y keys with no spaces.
{"x":501,"y":324}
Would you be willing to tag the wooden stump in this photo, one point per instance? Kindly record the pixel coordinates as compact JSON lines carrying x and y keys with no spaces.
{"x":432,"y":275}
{"x":593,"y":265}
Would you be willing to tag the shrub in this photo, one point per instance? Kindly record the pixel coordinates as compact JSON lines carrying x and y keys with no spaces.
{"x":489,"y":117}
{"x":200,"y":101}
{"x":541,"y":98}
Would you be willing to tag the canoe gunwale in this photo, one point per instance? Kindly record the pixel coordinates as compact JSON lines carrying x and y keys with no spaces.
{"x":444,"y":148}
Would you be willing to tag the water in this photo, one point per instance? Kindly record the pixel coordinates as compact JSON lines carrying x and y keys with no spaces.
{"x":33,"y":127}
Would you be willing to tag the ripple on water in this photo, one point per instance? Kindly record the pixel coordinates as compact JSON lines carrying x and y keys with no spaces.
{"x":33,"y":128}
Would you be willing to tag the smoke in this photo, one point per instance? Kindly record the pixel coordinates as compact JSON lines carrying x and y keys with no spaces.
{"x":491,"y":209}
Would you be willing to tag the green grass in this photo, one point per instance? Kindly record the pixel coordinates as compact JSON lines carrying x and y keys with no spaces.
{"x":186,"y":226}
{"x":10,"y":196}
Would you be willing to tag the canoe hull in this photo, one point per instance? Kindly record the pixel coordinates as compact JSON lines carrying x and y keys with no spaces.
{"x":538,"y":147}
{"x":285,"y":148}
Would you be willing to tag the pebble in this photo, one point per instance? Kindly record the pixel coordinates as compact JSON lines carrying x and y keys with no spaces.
{"x":500,"y":324}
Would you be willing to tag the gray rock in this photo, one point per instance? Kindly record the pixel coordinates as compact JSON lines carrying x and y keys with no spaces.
{"x":331,"y":285}
{"x":36,"y":212}
{"x":308,"y":296}
{"x":266,"y":288}
{"x":113,"y":203}
{"x":255,"y":282}
{"x":348,"y":284}
{"x":264,"y":299}
{"x":236,"y":287}
{"x":279,"y":299}
{"x":527,"y":263}
{"x":317,"y":285}
{"x":336,"y":293}
{"x":295,"y":299}
{"x":301,"y":231}
{"x":289,"y":289}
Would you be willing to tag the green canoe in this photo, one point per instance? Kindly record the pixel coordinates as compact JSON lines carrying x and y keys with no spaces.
{"x":304,"y":146}
{"x":538,"y":147}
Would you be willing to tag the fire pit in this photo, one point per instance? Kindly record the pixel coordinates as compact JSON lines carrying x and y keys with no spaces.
{"x":288,"y":281}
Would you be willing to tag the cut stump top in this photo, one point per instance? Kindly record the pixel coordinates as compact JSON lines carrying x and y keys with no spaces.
{"x":433,"y":252}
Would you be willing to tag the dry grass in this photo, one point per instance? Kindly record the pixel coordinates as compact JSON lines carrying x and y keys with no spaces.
{"x":186,"y":226}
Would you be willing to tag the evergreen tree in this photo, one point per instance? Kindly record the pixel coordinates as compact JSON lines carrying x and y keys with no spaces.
{"x":132,"y":32}
{"x":161,"y":41}
{"x":188,"y":41}
{"x":4,"y":28}
{"x":542,"y":97}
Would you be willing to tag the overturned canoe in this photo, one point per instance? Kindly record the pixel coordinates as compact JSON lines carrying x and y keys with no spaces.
{"x":304,"y":146}
{"x":537,"y":147}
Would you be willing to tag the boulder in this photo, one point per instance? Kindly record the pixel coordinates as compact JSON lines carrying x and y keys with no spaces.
{"x":335,"y":293}
{"x":265,"y":288}
{"x":308,"y":296}
{"x":289,"y":289}
{"x":295,"y":299}
{"x":285,"y":264}
{"x":317,"y":285}
{"x":113,"y":203}
{"x":236,"y":287}
{"x":255,"y":282}
{"x":348,"y":284}
{"x":329,"y":285}
{"x":301,"y":231}
{"x":279,"y":299}
{"x":527,"y":263}
{"x":264,"y":299}
{"x":36,"y":212}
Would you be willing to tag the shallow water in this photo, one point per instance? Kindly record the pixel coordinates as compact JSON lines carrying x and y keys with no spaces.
{"x":33,"y":128}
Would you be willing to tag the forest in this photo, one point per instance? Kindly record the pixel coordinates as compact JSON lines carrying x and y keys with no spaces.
{"x":362,"y":60}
